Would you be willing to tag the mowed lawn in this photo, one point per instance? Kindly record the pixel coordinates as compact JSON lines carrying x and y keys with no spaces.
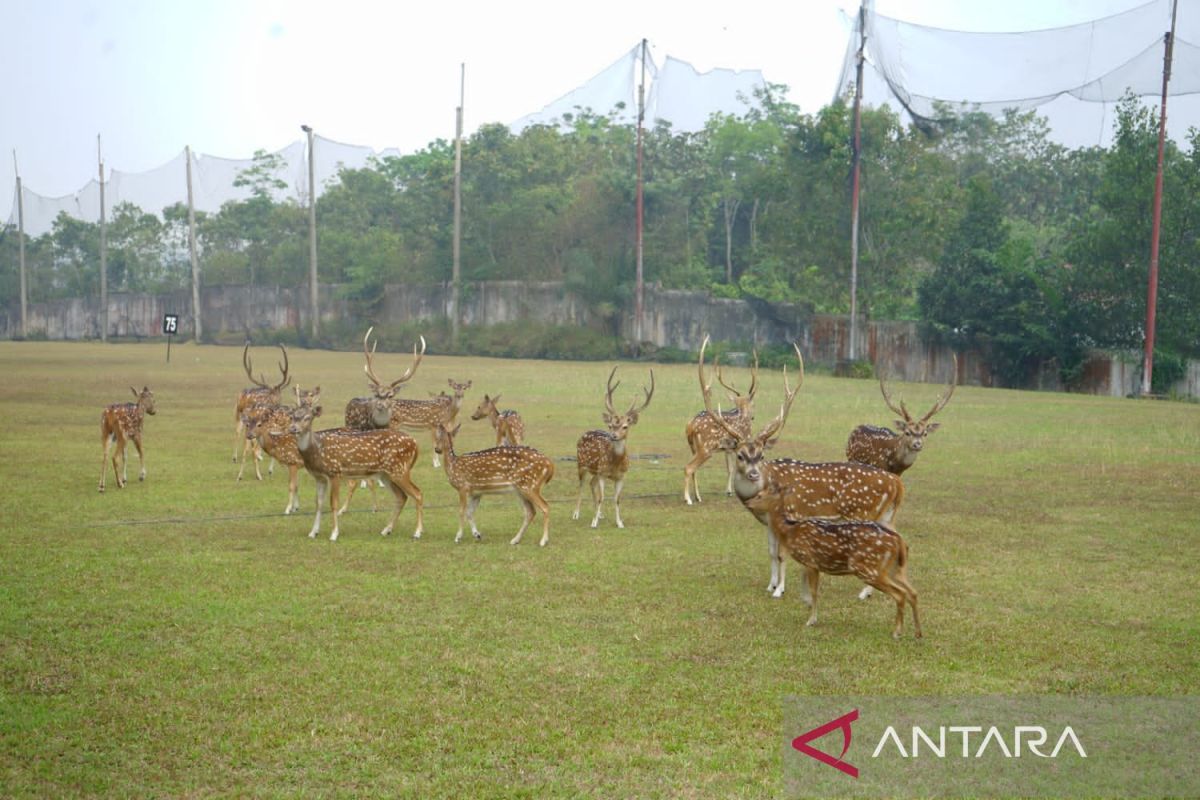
{"x":181,"y":637}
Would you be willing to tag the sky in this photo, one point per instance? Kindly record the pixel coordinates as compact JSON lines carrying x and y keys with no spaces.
{"x":229,"y":77}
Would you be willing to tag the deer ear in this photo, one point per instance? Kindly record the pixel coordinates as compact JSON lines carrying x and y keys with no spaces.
{"x":608,"y":418}
{"x":900,"y":423}
{"x":135,"y":391}
{"x":728,"y":443}
{"x":316,"y":412}
{"x":769,"y":443}
{"x":456,"y":429}
{"x":468,"y":386}
{"x":633,"y":417}
{"x":495,"y":399}
{"x":933,"y":426}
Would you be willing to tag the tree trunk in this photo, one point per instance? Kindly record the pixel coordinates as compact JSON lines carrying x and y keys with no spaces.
{"x":731,"y":207}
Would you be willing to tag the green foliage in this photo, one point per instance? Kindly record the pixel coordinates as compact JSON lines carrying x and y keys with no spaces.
{"x":527,"y":339}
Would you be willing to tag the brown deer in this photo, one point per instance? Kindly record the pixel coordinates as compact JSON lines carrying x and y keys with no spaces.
{"x":331,"y":456}
{"x":259,"y":413}
{"x":801,"y":489}
{"x":891,"y":450}
{"x":268,"y":428}
{"x":873,"y":552}
{"x":602,"y":454}
{"x":119,"y":424}
{"x":704,"y":435}
{"x":497,"y":469}
{"x":509,"y":427}
{"x":260,"y":392}
{"x":428,"y":414}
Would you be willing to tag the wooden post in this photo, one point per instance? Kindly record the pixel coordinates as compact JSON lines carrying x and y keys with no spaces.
{"x":856,"y":169}
{"x":21,"y":251}
{"x":199,"y":332}
{"x":1156,"y":214}
{"x":103,"y":251}
{"x":639,"y":288}
{"x":456,"y":263}
{"x":312,"y":236}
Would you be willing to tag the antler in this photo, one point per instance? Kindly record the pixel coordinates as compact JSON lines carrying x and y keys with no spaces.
{"x":609,"y":393}
{"x":706,"y":390}
{"x":634,"y":408}
{"x":887,"y":398}
{"x":369,"y":367}
{"x":775,"y":426}
{"x":942,"y":400}
{"x":261,"y":381}
{"x":753,"y":377}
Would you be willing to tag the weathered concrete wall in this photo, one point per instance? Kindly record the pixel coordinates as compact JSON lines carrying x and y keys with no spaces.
{"x":674,"y":318}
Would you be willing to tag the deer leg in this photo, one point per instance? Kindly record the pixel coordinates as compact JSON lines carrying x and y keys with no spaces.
{"x":778,"y":570}
{"x":335,"y":487}
{"x":404,"y":480}
{"x":462,"y":515}
{"x":578,"y":498}
{"x":238,"y":436}
{"x":541,"y":503}
{"x":689,"y":476}
{"x":436,"y":462}
{"x":401,"y":498}
{"x":527,"y":509}
{"x":107,"y":438}
{"x":598,"y":497}
{"x":123,"y":451}
{"x":472,"y":505}
{"x":137,"y":442}
{"x":617,"y":502}
{"x":814,"y":581}
{"x":271,"y":466}
{"x":900,"y":579}
{"x":293,"y":503}
{"x":729,"y":467}
{"x":865,"y":594}
{"x":351,"y":486}
{"x":321,"y":485}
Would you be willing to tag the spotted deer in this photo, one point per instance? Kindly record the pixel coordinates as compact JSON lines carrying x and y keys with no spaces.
{"x":508,"y":468}
{"x":427,"y":414}
{"x":801,"y":489}
{"x":375,"y":412}
{"x":331,"y":456}
{"x":121,"y":423}
{"x":261,"y":392}
{"x":509,"y":427}
{"x":253,"y":448}
{"x":871,"y":551}
{"x":602,"y":454}
{"x":704,"y":435}
{"x":269,"y":429}
{"x":892,"y":450}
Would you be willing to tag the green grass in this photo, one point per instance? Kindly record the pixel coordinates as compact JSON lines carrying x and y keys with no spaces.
{"x":180,"y":637}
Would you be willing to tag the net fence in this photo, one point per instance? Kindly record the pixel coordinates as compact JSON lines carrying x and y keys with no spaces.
{"x":1073,"y":75}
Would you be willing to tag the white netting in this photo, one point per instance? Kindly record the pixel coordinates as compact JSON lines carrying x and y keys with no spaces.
{"x":678,"y":93}
{"x":1094,"y":62}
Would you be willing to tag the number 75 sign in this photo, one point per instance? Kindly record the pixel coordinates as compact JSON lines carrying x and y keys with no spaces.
{"x":170,"y":323}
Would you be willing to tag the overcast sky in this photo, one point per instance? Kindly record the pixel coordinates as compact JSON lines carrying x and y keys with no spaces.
{"x":231,"y":76}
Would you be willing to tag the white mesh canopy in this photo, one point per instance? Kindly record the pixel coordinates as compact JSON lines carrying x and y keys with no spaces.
{"x":1095,"y":62}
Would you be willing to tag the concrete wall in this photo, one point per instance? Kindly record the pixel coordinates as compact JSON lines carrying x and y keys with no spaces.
{"x":674,"y":318}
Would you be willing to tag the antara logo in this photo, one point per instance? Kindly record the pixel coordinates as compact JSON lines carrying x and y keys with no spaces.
{"x":1033,"y":737}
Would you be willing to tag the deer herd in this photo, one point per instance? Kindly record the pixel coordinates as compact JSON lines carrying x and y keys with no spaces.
{"x":834,"y":518}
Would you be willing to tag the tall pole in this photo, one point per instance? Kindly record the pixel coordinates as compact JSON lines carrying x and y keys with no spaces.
{"x":103,"y":251}
{"x":1156,"y":223}
{"x":456,"y":265}
{"x":856,"y":169}
{"x":638,"y":297}
{"x":21,"y":251}
{"x":199,"y":332}
{"x":313,"y":308}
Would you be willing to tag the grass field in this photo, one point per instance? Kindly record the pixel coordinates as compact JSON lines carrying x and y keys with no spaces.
{"x":181,"y":637}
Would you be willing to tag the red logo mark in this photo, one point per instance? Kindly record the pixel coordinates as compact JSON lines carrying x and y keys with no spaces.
{"x":801,"y":743}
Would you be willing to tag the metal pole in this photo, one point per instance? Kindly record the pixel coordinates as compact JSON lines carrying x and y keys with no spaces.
{"x":1156,"y":223}
{"x":638,"y":333}
{"x":856,"y":169}
{"x":21,"y":251}
{"x":456,"y":265}
{"x":103,"y":251}
{"x":312,"y":236}
{"x":199,"y":332}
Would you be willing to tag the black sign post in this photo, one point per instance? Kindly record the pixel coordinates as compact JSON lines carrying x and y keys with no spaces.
{"x":170,"y":328}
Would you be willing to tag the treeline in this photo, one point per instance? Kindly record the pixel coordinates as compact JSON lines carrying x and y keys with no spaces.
{"x":983,"y":228}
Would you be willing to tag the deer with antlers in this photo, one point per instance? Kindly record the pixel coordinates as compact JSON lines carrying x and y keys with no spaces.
{"x":509,"y":427}
{"x":121,"y":423}
{"x":260,"y":393}
{"x":873,"y":552}
{"x":331,"y":456}
{"x":256,"y":416}
{"x":267,"y":426}
{"x":892,"y":450}
{"x":602,"y":454}
{"x":428,"y":414}
{"x":800,"y":489}
{"x":705,"y":436}
{"x":505,"y":468}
